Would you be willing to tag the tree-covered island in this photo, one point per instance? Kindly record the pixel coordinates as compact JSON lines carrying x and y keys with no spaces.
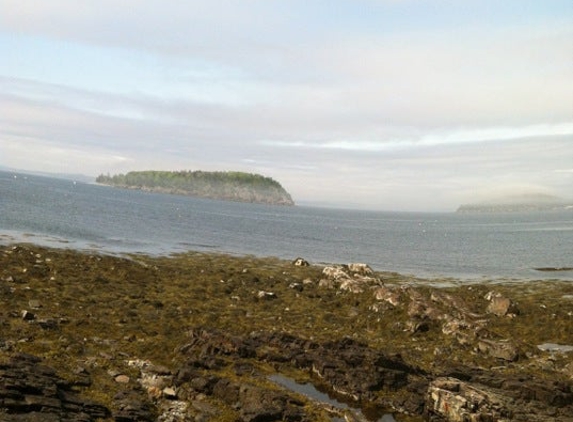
{"x":228,"y":185}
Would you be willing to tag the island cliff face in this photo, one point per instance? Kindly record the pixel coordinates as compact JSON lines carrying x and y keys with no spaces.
{"x":228,"y":186}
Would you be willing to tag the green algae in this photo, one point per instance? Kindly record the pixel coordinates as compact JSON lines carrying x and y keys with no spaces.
{"x":108,"y":309}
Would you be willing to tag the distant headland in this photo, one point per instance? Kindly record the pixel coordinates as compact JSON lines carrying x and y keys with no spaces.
{"x":229,"y":186}
{"x":518,"y":203}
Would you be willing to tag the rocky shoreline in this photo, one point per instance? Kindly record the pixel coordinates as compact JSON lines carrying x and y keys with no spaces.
{"x":205,"y":337}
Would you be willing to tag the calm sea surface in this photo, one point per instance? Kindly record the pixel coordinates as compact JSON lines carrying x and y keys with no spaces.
{"x":84,"y":216}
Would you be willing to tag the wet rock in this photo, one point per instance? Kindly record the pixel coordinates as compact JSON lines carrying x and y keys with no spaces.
{"x":6,"y":345}
{"x":175,"y":411}
{"x":458,"y":321}
{"x":484,"y":396}
{"x":226,"y":390}
{"x":169,"y":393}
{"x":352,"y":369}
{"x":345,"y":366}
{"x":326,"y":283}
{"x":392,"y":296}
{"x":28,"y":316}
{"x":204,"y":384}
{"x":359,"y":268}
{"x":300,"y":262}
{"x":334,"y":273}
{"x":499,"y":305}
{"x":151,"y":380}
{"x":30,"y":391}
{"x":457,"y":401}
{"x":48,"y":324}
{"x":131,"y":406}
{"x":122,"y":379}
{"x":352,"y":286}
{"x":353,"y":278}
{"x":256,"y":404}
{"x":204,"y":411}
{"x":82,"y":377}
{"x":568,"y":369}
{"x":296,"y":286}
{"x":260,"y":405}
{"x":454,"y":304}
{"x":34,"y":304}
{"x":421,"y":308}
{"x":499,"y":350}
{"x":454,"y":326}
{"x":417,"y":326}
{"x":266,"y":295}
{"x":158,"y":382}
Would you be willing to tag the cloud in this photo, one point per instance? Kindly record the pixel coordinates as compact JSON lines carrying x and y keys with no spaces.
{"x":454,"y":136}
{"x":399,"y":104}
{"x":37,"y":154}
{"x":499,"y":134}
{"x":253,"y":53}
{"x":425,"y":172}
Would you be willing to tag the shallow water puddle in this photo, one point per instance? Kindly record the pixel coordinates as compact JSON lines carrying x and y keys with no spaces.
{"x":312,"y":393}
{"x":554,"y":347}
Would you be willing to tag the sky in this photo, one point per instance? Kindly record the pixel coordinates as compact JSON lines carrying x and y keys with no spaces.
{"x":417,"y":105}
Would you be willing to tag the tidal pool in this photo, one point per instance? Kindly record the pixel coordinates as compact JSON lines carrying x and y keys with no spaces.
{"x":554,"y":347}
{"x":312,"y":393}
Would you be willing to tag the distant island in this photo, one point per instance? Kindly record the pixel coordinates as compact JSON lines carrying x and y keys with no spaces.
{"x":518,"y":203}
{"x":229,"y":186}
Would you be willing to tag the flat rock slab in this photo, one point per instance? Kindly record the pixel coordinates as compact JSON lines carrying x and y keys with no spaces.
{"x":31,"y":391}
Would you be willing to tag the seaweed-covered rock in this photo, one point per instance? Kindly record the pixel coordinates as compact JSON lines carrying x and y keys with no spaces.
{"x":360,"y":268}
{"x":456,"y":401}
{"x":31,"y":391}
{"x":487,"y":397}
{"x":101,"y":312}
{"x":300,"y":262}
{"x":499,"y":349}
{"x":500,"y":306}
{"x":256,"y":404}
{"x":354,"y":278}
{"x":132,"y":406}
{"x":388,"y":294}
{"x":345,"y":367}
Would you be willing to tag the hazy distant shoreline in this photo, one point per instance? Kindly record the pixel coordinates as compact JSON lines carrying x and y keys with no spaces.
{"x":508,"y":208}
{"x":536,"y":202}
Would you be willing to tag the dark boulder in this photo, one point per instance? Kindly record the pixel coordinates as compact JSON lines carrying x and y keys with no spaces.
{"x":344,"y":367}
{"x":31,"y":391}
{"x":132,"y":406}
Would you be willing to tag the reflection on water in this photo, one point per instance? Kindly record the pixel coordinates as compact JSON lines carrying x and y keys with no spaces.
{"x":312,"y":393}
{"x":553,"y":347}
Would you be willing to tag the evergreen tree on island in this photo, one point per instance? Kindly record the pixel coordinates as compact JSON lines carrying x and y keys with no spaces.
{"x":224,"y":185}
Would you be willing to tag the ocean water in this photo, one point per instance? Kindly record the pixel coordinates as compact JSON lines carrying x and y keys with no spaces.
{"x":64,"y":213}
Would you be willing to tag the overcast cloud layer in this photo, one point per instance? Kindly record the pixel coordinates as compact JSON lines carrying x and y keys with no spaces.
{"x":385,"y":104}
